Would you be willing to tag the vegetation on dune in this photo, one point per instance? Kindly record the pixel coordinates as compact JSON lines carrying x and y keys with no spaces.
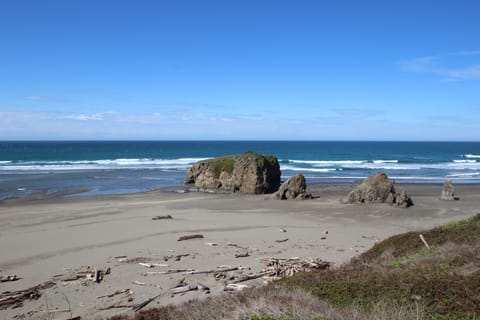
{"x":444,"y":280}
{"x":399,"y":278}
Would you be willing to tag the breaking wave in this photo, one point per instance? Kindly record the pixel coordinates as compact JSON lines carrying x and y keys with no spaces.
{"x":471,"y":156}
{"x":143,"y":163}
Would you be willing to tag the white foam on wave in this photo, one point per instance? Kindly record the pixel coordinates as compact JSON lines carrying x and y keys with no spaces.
{"x":464,"y":161}
{"x":327,"y":162}
{"x":380,"y":165}
{"x":292,"y":168}
{"x":385,"y":161}
{"x":416,"y":178}
{"x":5,"y":162}
{"x":144,"y":163}
{"x":471,"y":156}
{"x":464,"y":175}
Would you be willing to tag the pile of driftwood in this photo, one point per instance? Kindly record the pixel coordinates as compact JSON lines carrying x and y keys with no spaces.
{"x":285,"y":267}
{"x":277,"y":268}
{"x":15,"y":299}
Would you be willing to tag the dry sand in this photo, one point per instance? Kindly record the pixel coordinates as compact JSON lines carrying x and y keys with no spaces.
{"x":43,"y":238}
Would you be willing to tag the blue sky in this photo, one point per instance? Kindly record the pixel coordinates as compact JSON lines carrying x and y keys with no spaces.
{"x":243,"y":70}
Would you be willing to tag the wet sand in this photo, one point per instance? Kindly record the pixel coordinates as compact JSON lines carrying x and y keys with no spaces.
{"x":42,"y":238}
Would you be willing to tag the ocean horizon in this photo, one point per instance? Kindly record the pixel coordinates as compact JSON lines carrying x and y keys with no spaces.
{"x":115,"y":167}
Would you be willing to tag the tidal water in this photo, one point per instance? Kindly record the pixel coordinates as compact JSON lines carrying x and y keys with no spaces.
{"x":112,"y":167}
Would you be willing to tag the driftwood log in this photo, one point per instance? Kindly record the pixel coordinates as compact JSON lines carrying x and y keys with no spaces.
{"x":10,"y":277}
{"x":235,"y":287}
{"x":247,"y":277}
{"x":190,"y":236}
{"x":141,"y":305}
{"x":162,"y":217}
{"x":126,"y":291}
{"x":185,"y":288}
{"x":241,"y":255}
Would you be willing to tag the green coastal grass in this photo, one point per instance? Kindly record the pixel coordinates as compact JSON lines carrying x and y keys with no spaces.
{"x":227,"y":163}
{"x":444,"y":280}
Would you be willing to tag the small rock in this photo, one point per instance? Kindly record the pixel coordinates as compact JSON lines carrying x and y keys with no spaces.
{"x":448,"y":191}
{"x":294,"y":188}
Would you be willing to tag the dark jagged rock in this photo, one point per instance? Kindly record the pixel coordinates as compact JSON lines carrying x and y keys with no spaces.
{"x":248,"y":172}
{"x":402,"y":200}
{"x":448,"y":191}
{"x":378,"y":188}
{"x":294,"y":188}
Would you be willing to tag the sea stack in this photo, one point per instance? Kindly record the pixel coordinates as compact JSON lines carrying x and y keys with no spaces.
{"x":294,"y":188}
{"x":448,"y":191}
{"x":378,"y":188}
{"x":248,"y":172}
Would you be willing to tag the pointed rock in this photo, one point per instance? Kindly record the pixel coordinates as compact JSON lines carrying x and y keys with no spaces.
{"x":448,"y":191}
{"x":294,"y":188}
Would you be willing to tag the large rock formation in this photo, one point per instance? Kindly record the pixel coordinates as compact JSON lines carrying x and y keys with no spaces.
{"x":448,"y":191}
{"x":294,"y":188}
{"x":378,"y":188}
{"x":248,"y":172}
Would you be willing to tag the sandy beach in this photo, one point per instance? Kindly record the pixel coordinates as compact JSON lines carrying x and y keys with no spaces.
{"x":45,"y":239}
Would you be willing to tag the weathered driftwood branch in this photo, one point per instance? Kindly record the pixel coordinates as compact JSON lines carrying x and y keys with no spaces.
{"x":124,"y":259}
{"x":234,"y":287}
{"x":144,"y":303}
{"x":185,"y":288}
{"x":231,"y":244}
{"x":211,"y":270}
{"x":117,"y":305}
{"x":146,"y":265}
{"x":115,"y":293}
{"x":281,"y":240}
{"x":242,"y":255}
{"x":176,"y":257}
{"x":162,"y":217}
{"x":167,"y":271}
{"x":247,"y":277}
{"x":190,"y":236}
{"x":424,"y":241}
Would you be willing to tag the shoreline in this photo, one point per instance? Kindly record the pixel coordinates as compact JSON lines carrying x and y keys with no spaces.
{"x":53,"y":236}
{"x":316,"y":188}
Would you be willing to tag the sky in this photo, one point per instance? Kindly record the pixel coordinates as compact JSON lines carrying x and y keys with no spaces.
{"x":240,"y":70}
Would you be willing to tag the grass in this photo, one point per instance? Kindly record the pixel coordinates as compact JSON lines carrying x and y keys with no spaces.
{"x":445,"y":280}
{"x":225,"y":164}
{"x":399,"y":278}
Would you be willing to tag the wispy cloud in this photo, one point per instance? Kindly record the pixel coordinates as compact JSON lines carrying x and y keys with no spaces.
{"x":34,"y":98}
{"x":41,"y":98}
{"x":454,"y":66}
{"x":468,"y":73}
{"x":83,"y":117}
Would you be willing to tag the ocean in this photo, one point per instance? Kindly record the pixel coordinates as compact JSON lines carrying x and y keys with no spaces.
{"x":114,"y":167}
